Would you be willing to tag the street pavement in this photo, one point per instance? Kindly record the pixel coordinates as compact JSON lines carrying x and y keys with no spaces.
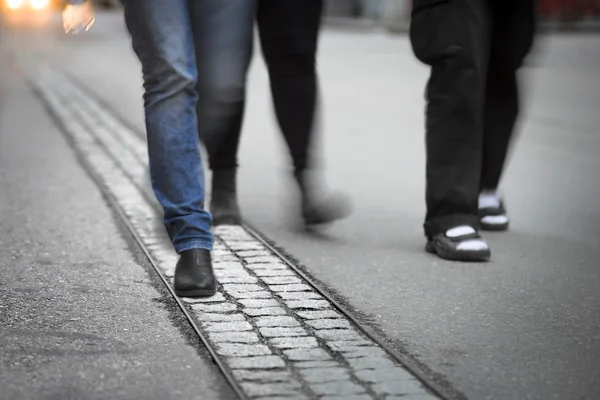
{"x":82,"y":316}
{"x":524,"y":326}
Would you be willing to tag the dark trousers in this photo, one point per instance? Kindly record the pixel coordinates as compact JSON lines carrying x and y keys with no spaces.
{"x":288,"y":35}
{"x":474,"y":48}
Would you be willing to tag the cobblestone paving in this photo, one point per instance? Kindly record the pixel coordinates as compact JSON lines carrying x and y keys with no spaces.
{"x":278,"y":336}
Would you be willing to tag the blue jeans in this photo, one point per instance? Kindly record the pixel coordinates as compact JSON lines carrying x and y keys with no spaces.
{"x":193,"y":53}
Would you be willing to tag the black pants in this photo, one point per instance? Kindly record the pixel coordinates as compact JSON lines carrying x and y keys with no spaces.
{"x":474,"y":48}
{"x":288,"y":35}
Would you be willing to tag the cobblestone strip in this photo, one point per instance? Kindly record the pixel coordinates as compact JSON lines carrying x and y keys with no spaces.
{"x":279,"y":337}
{"x":331,"y":355}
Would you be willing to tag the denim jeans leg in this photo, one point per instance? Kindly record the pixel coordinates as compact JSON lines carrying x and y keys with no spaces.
{"x":223,"y":34}
{"x":162,"y":38}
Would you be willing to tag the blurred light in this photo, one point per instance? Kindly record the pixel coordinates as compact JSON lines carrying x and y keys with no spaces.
{"x":39,"y":4}
{"x":14,"y":4}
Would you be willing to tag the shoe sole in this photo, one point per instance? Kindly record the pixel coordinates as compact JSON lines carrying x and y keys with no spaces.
{"x":316,"y":223}
{"x":342,"y":211}
{"x":196,"y":293}
{"x":326,"y":221}
{"x":493,"y":227}
{"x":465,"y":256}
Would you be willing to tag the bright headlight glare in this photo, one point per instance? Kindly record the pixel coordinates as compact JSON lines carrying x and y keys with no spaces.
{"x":13,"y":4}
{"x":39,"y":4}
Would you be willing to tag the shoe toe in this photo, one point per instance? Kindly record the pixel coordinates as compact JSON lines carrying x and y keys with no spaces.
{"x":334,"y":208}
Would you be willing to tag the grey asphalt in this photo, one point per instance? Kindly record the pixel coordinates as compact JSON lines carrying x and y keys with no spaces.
{"x":81,"y":314}
{"x":524,"y":326}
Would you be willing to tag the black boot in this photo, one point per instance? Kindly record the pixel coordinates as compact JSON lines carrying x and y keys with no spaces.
{"x":223,"y":203}
{"x":194,"y":275}
{"x":319,"y":210}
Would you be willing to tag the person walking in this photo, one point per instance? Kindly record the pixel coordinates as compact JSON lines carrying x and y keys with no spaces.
{"x":289,"y":32}
{"x":474,"y":49}
{"x":187,"y":48}
{"x":195,"y":56}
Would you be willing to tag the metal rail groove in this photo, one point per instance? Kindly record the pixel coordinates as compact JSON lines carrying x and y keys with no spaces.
{"x":255,"y":233}
{"x":113,"y":203}
{"x":424,"y":380}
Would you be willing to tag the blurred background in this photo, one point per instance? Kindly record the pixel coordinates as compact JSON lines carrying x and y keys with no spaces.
{"x":525,"y":326}
{"x":394,"y":14}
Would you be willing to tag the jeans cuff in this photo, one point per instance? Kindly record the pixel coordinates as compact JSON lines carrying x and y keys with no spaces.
{"x":181,"y":247}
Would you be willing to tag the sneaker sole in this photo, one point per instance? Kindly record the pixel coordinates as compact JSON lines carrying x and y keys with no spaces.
{"x":493,"y":227}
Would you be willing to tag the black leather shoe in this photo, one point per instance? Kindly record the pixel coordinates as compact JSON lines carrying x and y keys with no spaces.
{"x":223,"y":203}
{"x":194,"y":275}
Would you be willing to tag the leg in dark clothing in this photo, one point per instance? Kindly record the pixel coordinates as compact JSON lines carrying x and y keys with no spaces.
{"x":474,"y":48}
{"x":223,"y":42}
{"x":223,"y":45}
{"x":508,"y":49}
{"x":501,"y":110}
{"x":289,"y":34}
{"x":452,"y":37}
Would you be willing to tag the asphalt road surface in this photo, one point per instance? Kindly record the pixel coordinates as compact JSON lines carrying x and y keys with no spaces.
{"x":524,"y":326}
{"x":81,"y":314}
